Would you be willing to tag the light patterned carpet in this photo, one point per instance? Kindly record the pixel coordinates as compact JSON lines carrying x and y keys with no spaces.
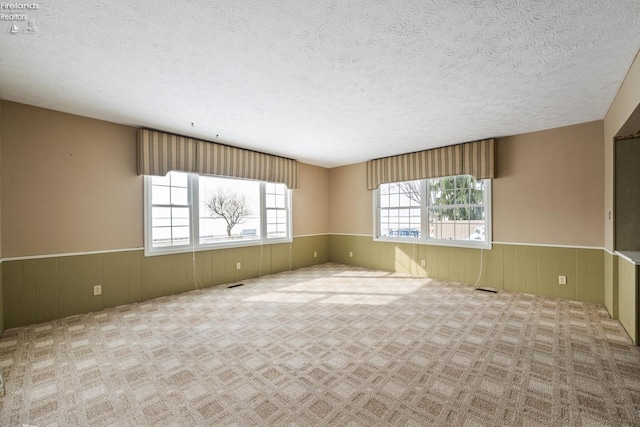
{"x":326,"y":345}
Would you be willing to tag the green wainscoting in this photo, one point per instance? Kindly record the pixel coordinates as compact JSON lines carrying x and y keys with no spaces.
{"x":530,"y":269}
{"x":628,"y":296}
{"x":611,"y":283}
{"x":37,"y":290}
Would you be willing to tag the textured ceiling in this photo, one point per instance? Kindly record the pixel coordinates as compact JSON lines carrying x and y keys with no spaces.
{"x":326,"y":82}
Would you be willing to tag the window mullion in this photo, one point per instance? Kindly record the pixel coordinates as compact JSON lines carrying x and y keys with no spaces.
{"x":287,"y":204}
{"x":424,"y":209}
{"x":263,"y":211}
{"x":194,"y":202}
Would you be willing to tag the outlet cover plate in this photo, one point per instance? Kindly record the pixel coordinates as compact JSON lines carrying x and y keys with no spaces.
{"x":97,"y":290}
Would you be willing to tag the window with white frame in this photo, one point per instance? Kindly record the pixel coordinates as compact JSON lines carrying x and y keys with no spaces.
{"x":454,"y":211}
{"x":185,"y":212}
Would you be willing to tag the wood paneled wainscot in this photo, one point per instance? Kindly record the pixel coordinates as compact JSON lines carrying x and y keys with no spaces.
{"x":628,"y":292}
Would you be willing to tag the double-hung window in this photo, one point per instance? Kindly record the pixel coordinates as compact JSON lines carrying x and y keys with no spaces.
{"x":185,"y":211}
{"x":451,"y":211}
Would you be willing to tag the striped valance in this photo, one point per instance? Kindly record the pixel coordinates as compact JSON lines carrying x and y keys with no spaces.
{"x":472,"y":158}
{"x":159,"y":153}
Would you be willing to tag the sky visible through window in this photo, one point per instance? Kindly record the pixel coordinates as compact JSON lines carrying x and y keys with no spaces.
{"x":216,"y":209}
{"x":214,"y":228}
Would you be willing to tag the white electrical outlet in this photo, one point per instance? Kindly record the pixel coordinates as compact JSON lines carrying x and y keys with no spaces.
{"x":97,"y":290}
{"x":315,"y":254}
{"x":350,"y":254}
{"x":562,"y":280}
{"x":238,"y":266}
{"x":423,"y":263}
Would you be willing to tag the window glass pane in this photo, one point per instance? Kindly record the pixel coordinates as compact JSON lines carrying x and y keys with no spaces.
{"x":477,"y":234}
{"x":178,"y":179}
{"x":447,"y":182}
{"x":462,"y":197}
{"x":477,"y":214}
{"x":446,"y":196}
{"x":229,"y":209}
{"x":160,"y":236}
{"x":179,"y":196}
{"x":270,"y":187}
{"x":160,"y":195}
{"x":180,"y":216}
{"x":435,"y":223}
{"x":160,"y":180}
{"x":476,"y":196}
{"x":207,"y":227}
{"x":403,"y":222}
{"x":462,"y":230}
{"x":180,"y":236}
{"x":438,"y":231}
{"x":384,"y":200}
{"x":160,"y":217}
{"x":462,"y":182}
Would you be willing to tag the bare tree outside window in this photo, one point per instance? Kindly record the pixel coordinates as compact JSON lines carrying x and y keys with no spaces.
{"x":230,"y":206}
{"x":411,"y":189}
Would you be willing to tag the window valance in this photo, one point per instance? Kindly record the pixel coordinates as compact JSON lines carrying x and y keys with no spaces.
{"x":159,"y":153}
{"x":471,"y":158}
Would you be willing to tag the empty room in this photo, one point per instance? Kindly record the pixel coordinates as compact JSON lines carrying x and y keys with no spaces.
{"x":320,"y":213}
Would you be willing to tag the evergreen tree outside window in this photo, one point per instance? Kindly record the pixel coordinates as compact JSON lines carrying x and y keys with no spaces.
{"x":453,"y":211}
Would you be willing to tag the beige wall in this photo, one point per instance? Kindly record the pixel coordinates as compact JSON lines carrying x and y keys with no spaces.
{"x":69,"y":184}
{"x":549,"y":187}
{"x":548,"y":190}
{"x":1,"y":285}
{"x":350,"y":201}
{"x":625,"y":102}
{"x":311,"y":201}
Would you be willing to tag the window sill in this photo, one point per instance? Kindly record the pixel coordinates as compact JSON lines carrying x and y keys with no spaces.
{"x":450,"y":243}
{"x":212,"y":247}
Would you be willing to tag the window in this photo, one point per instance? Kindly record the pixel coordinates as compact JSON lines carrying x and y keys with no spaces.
{"x":186,"y":211}
{"x":453,"y":211}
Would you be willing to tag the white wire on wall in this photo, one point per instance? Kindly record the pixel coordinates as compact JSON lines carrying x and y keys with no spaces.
{"x":480,"y":272}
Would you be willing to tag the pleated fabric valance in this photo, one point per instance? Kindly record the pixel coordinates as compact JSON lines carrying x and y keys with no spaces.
{"x":472,"y":158}
{"x":159,"y":153}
